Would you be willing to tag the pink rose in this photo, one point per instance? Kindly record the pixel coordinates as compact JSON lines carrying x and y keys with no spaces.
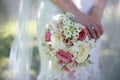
{"x":48,"y":36}
{"x":82,"y":35}
{"x":64,"y":57}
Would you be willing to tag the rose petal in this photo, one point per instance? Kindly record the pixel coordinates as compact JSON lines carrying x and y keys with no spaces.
{"x":64,"y":56}
{"x":48,"y":36}
{"x":82,"y":35}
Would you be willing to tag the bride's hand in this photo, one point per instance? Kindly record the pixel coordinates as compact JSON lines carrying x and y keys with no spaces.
{"x":94,"y":29}
{"x":92,"y":26}
{"x":97,"y":12}
{"x":98,"y":22}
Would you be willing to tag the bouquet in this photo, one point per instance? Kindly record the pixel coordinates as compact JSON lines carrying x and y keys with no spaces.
{"x":66,"y":43}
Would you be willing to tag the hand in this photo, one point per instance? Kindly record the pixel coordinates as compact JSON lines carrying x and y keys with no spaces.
{"x":100,"y":27}
{"x":96,"y":16}
{"x":89,"y":23}
{"x":96,"y":13}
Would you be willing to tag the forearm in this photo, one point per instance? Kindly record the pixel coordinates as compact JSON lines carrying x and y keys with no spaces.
{"x":98,"y":8}
{"x":67,"y":6}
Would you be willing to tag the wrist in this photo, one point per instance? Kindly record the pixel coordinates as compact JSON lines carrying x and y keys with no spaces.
{"x":96,"y":13}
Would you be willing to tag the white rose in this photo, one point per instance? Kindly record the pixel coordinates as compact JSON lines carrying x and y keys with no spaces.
{"x":56,"y":41}
{"x":82,"y":55}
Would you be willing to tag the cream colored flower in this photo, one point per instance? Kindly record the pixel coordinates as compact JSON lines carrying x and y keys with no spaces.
{"x":82,"y":55}
{"x":74,"y":49}
{"x":56,"y":41}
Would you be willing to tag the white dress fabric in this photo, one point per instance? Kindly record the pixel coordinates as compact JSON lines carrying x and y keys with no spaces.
{"x":47,"y":10}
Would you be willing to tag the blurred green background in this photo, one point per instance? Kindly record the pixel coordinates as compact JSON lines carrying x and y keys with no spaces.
{"x":8,"y":18}
{"x":110,"y":53}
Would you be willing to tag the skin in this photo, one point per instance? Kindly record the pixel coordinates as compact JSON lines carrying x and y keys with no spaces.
{"x":88,"y":20}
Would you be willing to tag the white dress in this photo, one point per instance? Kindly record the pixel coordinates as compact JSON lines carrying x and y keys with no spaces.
{"x":47,"y":10}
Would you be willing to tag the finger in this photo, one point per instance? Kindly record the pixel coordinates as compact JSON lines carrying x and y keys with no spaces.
{"x":92,"y":33}
{"x":98,"y":28}
{"x":90,"y":30}
{"x":89,"y":35}
{"x":97,"y":31}
{"x":101,"y":29}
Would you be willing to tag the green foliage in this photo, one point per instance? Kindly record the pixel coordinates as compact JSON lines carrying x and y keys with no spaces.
{"x":5,"y":45}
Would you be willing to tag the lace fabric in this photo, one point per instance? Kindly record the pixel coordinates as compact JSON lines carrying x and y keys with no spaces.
{"x":47,"y":10}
